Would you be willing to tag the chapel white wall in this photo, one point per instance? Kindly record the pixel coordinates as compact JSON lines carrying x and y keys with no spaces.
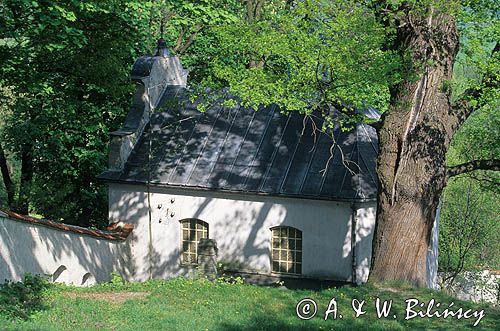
{"x":365,"y":226}
{"x":241,"y":226}
{"x":239,"y":223}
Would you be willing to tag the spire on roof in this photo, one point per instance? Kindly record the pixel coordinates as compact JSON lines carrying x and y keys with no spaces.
{"x":161,"y":48}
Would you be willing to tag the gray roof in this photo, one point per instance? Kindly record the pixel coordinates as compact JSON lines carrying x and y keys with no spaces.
{"x":257,"y":152}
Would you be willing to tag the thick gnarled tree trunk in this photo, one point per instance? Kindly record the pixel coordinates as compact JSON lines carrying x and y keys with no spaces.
{"x":413,"y":140}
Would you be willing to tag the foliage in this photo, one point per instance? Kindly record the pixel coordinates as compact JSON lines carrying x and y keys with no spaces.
{"x":469,"y":229}
{"x":67,"y":64}
{"x":469,"y":219}
{"x":188,"y":28}
{"x":116,"y":279}
{"x":22,"y":299}
{"x":65,"y":85}
{"x":238,"y":280}
{"x":314,"y":54}
{"x":187,"y":304}
{"x":479,"y":139}
{"x":306,"y":58}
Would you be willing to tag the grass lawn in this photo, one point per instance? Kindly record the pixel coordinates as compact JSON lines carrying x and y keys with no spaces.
{"x":181,"y":304}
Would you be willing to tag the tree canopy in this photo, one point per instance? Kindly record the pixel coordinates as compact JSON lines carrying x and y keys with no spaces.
{"x":65,"y":84}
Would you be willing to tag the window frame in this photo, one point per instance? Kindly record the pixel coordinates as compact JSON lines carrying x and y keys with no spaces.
{"x":297,"y":251}
{"x":205,"y":228}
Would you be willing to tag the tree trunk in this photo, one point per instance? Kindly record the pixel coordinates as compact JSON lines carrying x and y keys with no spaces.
{"x":253,"y":9}
{"x":26,"y":178}
{"x":7,"y":180}
{"x":413,"y":140}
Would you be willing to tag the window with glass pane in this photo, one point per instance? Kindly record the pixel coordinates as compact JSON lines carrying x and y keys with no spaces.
{"x":286,"y":250}
{"x":192,"y":231}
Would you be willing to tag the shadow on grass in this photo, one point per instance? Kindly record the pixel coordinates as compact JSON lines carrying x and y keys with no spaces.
{"x":263,"y":323}
{"x":291,"y":283}
{"x":22,"y":299}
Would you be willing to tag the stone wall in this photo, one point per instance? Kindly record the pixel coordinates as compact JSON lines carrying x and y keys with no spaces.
{"x":481,"y":286}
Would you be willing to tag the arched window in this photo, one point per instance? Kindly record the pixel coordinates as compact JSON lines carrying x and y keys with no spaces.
{"x":286,"y":255}
{"x":192,"y":231}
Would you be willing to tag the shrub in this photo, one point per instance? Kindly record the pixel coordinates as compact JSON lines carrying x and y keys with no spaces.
{"x":21,"y":299}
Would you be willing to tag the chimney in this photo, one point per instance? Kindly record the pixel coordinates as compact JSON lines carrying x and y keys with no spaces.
{"x":152,"y":74}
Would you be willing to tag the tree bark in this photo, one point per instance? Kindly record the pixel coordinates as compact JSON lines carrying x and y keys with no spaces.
{"x":7,"y":180}
{"x":493,"y":164}
{"x":413,"y":141}
{"x":26,"y":178}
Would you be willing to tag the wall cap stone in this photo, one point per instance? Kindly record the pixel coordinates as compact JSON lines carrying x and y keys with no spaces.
{"x":116,"y":231}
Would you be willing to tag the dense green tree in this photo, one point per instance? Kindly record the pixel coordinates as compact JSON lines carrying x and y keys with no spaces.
{"x":66,"y":66}
{"x":469,"y":229}
{"x":188,"y":28}
{"x":65,"y":83}
{"x":470,"y":224}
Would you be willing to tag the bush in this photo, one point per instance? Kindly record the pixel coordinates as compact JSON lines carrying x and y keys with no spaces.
{"x":21,"y":299}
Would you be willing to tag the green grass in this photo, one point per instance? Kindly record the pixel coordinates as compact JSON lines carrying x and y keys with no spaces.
{"x":181,"y":304}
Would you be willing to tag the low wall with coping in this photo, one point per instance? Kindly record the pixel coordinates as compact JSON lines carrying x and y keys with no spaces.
{"x":69,"y":254}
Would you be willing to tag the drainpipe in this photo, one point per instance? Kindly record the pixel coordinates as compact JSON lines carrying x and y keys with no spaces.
{"x":353,"y":241}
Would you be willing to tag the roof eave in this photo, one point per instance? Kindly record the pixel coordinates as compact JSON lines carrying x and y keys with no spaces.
{"x":250,"y":193}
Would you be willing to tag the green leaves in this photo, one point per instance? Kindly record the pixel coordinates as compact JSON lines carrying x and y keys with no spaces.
{"x":469,"y":227}
{"x":315,"y":54}
{"x":67,"y":65}
{"x":66,"y":14}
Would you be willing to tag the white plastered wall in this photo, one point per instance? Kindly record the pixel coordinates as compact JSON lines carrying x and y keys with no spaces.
{"x":241,"y":226}
{"x":239,"y":223}
{"x":365,"y":226}
{"x":68,"y":257}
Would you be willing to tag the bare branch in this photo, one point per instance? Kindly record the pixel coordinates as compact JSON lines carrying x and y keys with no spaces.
{"x":190,"y":39}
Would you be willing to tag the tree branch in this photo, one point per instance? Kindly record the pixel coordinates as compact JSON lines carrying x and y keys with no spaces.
{"x":485,"y":179}
{"x":463,"y":108}
{"x":493,"y":164}
{"x":178,"y":44}
{"x":181,"y":48}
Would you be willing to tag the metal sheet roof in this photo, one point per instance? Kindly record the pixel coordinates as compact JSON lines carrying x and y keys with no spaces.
{"x":259,"y":152}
